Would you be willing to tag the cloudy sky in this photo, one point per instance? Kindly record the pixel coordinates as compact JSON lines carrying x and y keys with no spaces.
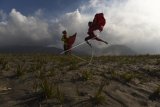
{"x":134,"y":23}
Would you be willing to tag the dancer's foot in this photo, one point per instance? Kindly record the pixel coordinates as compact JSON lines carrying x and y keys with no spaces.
{"x":89,"y":44}
{"x":106,"y":42}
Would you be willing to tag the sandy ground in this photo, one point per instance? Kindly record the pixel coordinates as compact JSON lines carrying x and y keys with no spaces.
{"x":111,"y":81}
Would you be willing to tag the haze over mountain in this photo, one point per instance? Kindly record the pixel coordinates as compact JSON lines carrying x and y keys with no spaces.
{"x":30,"y":49}
{"x":83,"y":50}
{"x":118,"y":50}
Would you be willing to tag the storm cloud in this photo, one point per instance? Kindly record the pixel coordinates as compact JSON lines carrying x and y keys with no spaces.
{"x":134,"y":23}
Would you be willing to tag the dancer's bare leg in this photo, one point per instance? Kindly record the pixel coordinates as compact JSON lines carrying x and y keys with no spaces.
{"x":101,"y":40}
{"x":88,"y":43}
{"x":86,"y":39}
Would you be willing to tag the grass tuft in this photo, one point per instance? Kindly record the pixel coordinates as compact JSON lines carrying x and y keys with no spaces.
{"x":98,"y":98}
{"x":47,"y":88}
{"x":20,"y":70}
{"x":156,"y":94}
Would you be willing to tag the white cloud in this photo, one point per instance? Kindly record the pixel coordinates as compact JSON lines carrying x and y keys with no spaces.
{"x":18,"y":29}
{"x":23,"y":30}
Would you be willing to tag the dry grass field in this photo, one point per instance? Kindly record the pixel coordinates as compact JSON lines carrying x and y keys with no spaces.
{"x":45,"y":80}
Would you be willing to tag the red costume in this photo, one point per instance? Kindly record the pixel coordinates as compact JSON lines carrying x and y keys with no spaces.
{"x":68,"y":42}
{"x":97,"y":24}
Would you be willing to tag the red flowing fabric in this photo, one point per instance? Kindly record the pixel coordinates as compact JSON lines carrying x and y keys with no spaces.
{"x":71,"y":40}
{"x":98,"y":22}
